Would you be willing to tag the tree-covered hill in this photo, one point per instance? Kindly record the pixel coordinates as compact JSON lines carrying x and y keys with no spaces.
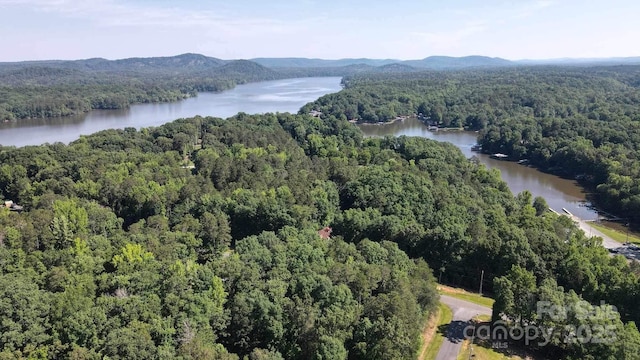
{"x":61,"y":88}
{"x":199,"y":240}
{"x":319,"y":63}
{"x":448,"y":62}
{"x":431,"y":62}
{"x":579,"y":122}
{"x":151,"y":64}
{"x":42,"y":89}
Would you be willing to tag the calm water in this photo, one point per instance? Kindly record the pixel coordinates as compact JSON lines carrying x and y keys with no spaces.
{"x":559,"y":193}
{"x":284,"y":96}
{"x":269,"y":96}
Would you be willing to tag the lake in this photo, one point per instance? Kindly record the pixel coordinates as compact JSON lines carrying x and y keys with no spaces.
{"x":559,"y":193}
{"x":284,"y":96}
{"x":287,"y":95}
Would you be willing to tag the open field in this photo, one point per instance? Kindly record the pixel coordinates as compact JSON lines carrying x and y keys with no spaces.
{"x":466,"y":295}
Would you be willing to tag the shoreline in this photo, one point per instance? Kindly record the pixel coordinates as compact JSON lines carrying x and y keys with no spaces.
{"x":70,"y":128}
{"x":381,"y":123}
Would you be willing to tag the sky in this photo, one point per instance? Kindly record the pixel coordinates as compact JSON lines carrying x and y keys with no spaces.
{"x":328,"y":29}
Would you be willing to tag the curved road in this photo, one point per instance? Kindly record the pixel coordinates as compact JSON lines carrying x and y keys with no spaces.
{"x":463,"y":311}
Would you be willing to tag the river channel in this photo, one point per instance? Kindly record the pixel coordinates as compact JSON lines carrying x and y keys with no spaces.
{"x":284,"y":96}
{"x":559,"y":193}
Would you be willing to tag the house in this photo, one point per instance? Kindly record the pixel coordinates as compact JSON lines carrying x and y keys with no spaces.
{"x":12,"y":206}
{"x":325,"y":233}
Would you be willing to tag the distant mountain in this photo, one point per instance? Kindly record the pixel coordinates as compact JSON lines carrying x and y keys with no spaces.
{"x":476,"y":61}
{"x":448,"y":62}
{"x":396,"y":68}
{"x":318,"y":63}
{"x":583,"y":61}
{"x":189,"y":61}
{"x":245,"y":69}
{"x":432,"y":62}
{"x":181,"y":63}
{"x":188,"y":69}
{"x":196,"y":63}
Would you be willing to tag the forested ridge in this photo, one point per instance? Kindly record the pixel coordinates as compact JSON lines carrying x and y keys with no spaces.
{"x":50,"y":88}
{"x":126,"y":252}
{"x":581,"y":122}
{"x":44,"y":89}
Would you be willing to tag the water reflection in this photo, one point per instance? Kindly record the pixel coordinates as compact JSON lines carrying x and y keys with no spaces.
{"x":559,"y":193}
{"x":287,"y":95}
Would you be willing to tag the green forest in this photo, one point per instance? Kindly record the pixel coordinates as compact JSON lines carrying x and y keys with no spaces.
{"x":199,"y":240}
{"x":44,"y":89}
{"x":50,"y":89}
{"x":577,"y":122}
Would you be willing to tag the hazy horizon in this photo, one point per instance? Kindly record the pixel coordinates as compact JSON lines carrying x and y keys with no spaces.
{"x":334,"y":59}
{"x":403,"y":30}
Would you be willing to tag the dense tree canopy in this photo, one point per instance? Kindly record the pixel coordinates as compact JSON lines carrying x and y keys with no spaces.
{"x":50,"y":89}
{"x":198,"y":239}
{"x":125,"y":250}
{"x":581,"y":122}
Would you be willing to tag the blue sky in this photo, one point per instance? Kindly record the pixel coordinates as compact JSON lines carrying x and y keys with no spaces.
{"x":330,"y":29}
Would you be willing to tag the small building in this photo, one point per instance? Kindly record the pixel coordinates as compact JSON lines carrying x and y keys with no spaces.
{"x":315,"y":113}
{"x":325,"y":233}
{"x":9,"y":204}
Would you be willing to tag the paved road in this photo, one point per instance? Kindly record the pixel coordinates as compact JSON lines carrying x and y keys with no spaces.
{"x":463,"y":312}
{"x":607,"y":242}
{"x":629,"y":252}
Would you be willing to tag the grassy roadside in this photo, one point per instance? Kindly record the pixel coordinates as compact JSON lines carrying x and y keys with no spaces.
{"x":616,"y":235}
{"x":465,"y":295}
{"x":431,"y":345}
{"x":481,"y":352}
{"x":429,"y":331}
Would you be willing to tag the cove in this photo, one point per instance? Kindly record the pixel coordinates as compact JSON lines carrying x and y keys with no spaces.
{"x":287,"y":95}
{"x":558,"y":192}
